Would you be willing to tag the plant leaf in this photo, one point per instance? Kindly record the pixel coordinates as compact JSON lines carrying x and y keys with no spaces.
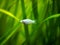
{"x":9,"y":14}
{"x":50,"y":17}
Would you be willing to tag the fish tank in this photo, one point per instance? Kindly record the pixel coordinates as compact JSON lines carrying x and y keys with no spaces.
{"x":29,"y":22}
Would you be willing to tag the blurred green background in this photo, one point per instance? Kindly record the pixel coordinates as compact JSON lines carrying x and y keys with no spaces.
{"x":45,"y":31}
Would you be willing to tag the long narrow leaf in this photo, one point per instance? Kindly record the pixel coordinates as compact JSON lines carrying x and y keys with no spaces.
{"x":9,"y":14}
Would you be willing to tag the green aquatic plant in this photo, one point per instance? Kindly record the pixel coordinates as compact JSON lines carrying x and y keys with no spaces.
{"x":51,"y":17}
{"x":15,"y":27}
{"x":9,"y":14}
